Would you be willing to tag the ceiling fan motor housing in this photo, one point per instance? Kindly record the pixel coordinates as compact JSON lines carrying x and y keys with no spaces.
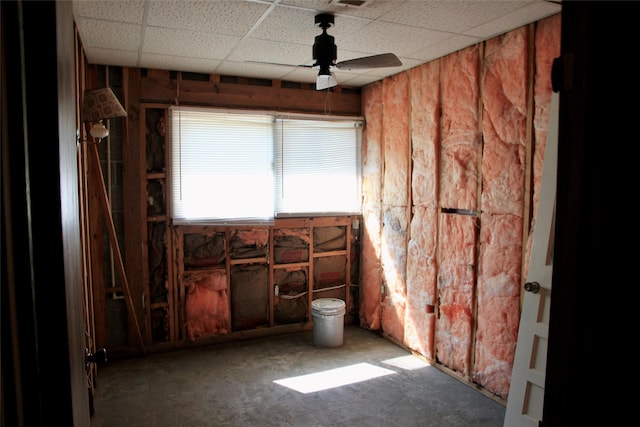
{"x":324,"y":20}
{"x":325,"y":51}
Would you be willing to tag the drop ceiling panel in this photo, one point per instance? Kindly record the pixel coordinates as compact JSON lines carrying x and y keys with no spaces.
{"x":443,"y":47}
{"x":371,"y":9}
{"x":232,"y":17}
{"x":450,"y":16}
{"x":270,"y":51}
{"x":382,"y":37}
{"x":507,"y":22}
{"x":264,"y":71}
{"x":110,"y":35}
{"x":188,"y":43}
{"x":106,"y":56}
{"x":239,"y":37}
{"x":169,"y":62}
{"x":125,"y":11}
{"x":305,"y":75}
{"x":287,"y":25}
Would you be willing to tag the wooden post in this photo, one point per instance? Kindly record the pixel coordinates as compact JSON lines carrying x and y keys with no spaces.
{"x":113,"y":238}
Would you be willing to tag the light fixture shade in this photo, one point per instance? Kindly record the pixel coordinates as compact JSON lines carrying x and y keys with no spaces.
{"x":324,"y":81}
{"x":100,"y":104}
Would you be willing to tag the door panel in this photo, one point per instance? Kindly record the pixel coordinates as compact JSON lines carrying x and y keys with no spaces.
{"x":526,"y":393}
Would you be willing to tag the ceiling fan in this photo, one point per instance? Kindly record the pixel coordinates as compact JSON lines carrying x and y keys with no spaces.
{"x":325,"y":53}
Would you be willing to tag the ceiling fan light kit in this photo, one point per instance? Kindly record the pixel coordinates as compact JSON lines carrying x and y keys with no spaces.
{"x":324,"y":81}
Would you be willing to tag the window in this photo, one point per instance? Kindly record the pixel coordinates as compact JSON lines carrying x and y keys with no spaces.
{"x":249,"y":167}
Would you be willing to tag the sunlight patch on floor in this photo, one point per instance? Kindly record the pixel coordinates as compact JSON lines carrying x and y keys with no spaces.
{"x":408,"y":362}
{"x":334,"y":378}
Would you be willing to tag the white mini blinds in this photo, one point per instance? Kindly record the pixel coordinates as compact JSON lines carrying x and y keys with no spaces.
{"x":249,"y":167}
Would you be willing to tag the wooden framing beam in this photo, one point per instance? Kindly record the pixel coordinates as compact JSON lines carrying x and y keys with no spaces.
{"x":113,"y":238}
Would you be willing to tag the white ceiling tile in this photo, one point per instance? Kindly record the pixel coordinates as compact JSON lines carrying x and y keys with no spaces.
{"x":381,"y":37}
{"x":444,"y":47}
{"x":376,"y":9}
{"x":285,"y":24}
{"x":234,"y":17}
{"x":304,"y":75}
{"x":515,"y":19}
{"x":346,"y":27}
{"x":232,"y":68}
{"x":296,"y":25}
{"x":188,"y":43}
{"x":129,"y":11}
{"x":452,"y":16}
{"x":109,"y":34}
{"x":268,"y":51}
{"x":177,"y":63}
{"x":372,"y":10}
{"x":107,"y":56}
{"x":317,"y":6}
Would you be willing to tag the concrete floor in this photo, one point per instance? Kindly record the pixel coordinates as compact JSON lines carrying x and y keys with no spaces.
{"x":234,"y":384}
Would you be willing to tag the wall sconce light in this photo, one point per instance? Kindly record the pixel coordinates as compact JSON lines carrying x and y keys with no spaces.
{"x":99,"y":105}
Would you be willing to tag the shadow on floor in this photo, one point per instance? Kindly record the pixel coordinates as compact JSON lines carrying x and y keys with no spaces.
{"x":288,"y":381}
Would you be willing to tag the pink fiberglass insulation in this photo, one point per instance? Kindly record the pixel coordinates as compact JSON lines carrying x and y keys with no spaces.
{"x":396,"y":139}
{"x":455,"y":291}
{"x":207,"y":306}
{"x":394,"y":265}
{"x":372,"y":148}
{"x":251,"y":243}
{"x":504,"y":98}
{"x":254,"y":237}
{"x":475,"y":296}
{"x":425,"y":117}
{"x":422,"y":246}
{"x":395,"y":202}
{"x":498,"y":312}
{"x":460,"y":137}
{"x":421,"y":281}
{"x":547,"y":47}
{"x":503,"y":168}
{"x":371,"y":271}
{"x":300,"y":233}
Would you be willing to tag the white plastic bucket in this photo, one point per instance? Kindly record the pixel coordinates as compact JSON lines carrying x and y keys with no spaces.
{"x":328,"y":321}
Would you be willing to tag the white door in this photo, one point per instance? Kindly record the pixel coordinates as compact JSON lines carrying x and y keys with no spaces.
{"x":526,"y":392}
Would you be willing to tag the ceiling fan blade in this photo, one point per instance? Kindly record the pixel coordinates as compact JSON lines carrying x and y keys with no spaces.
{"x":376,"y":61}
{"x":281,"y":65}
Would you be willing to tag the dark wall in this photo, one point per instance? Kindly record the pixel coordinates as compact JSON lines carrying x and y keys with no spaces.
{"x":594,"y":271}
{"x":43,"y":375}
